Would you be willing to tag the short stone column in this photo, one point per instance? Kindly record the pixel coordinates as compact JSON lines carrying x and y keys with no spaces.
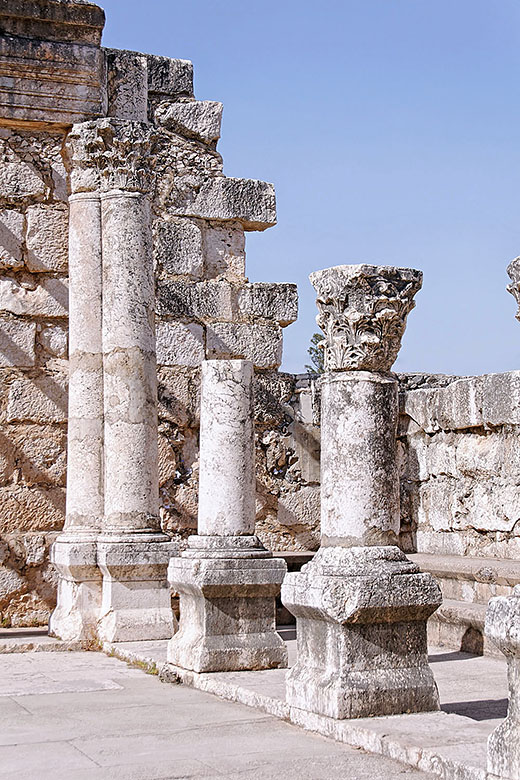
{"x":502,"y":627}
{"x":226,"y":580}
{"x":361,"y":607}
{"x":133,"y":553}
{"x":74,"y":551}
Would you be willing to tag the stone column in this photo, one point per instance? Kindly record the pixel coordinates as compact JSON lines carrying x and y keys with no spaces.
{"x":226,"y":580}
{"x":74,"y":551}
{"x":502,"y":622}
{"x":133,"y":554}
{"x":360,"y":605}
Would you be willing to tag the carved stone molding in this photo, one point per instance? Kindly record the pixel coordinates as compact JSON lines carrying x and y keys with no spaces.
{"x":108,"y":154}
{"x":362,"y":310}
{"x":513,"y":270}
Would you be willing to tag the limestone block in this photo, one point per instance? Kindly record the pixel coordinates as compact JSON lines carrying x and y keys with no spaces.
{"x":262,"y":344}
{"x":178,"y":247}
{"x":168,"y":78}
{"x":300,"y":507}
{"x":179,"y":344}
{"x":272,"y":391}
{"x":10,"y":583}
{"x":211,"y":300}
{"x":20,"y":182}
{"x":79,"y":589}
{"x":224,"y":251}
{"x":198,"y":119}
{"x":53,"y":338}
{"x":77,"y":22}
{"x":127,"y":84}
{"x":31,"y":508}
{"x":304,"y":440}
{"x":501,"y":398}
{"x":11,"y":239}
{"x":41,"y":399}
{"x":47,"y":238}
{"x":41,"y":453}
{"x":32,"y":297}
{"x":7,"y":457}
{"x":17,"y":341}
{"x":278,"y":302}
{"x":178,"y":394}
{"x":250,"y":202}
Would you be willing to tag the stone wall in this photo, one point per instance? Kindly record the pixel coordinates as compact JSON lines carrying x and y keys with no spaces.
{"x":55,"y":74}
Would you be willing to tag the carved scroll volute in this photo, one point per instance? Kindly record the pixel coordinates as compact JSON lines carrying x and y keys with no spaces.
{"x":362,"y":310}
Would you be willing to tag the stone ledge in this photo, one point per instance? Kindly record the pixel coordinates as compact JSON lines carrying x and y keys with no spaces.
{"x":488,"y":570}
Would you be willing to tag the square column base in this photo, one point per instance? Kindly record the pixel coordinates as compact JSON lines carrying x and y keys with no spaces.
{"x":136,"y":601}
{"x":228,"y":618}
{"x":79,"y":590}
{"x":361,"y":617}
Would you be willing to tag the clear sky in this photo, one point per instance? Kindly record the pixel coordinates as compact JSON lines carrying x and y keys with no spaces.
{"x":391,"y":130}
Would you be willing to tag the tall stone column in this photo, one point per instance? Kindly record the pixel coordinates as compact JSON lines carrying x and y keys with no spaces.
{"x":74,"y":552}
{"x":360,"y":605}
{"x":502,"y":622}
{"x":133,"y":553}
{"x":226,"y":580}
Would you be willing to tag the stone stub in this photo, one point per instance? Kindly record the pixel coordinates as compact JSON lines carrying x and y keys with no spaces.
{"x":362,"y":310}
{"x":51,"y":65}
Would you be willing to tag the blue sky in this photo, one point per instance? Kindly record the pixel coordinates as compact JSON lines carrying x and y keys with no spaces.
{"x":391,"y":130}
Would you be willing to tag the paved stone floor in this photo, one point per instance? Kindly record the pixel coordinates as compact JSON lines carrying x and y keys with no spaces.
{"x":85,"y":716}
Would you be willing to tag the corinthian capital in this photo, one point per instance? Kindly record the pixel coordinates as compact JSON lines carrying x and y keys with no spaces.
{"x":362,"y":311}
{"x":107,"y":154}
{"x":513,"y":269}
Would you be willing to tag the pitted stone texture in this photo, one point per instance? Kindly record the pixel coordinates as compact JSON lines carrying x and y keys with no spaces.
{"x":17,"y":341}
{"x":362,"y":312}
{"x":169,"y":78}
{"x":226,"y":483}
{"x":208,"y":301}
{"x":11,"y":239}
{"x":360,"y":480}
{"x":53,"y":338}
{"x":270,"y":301}
{"x":47,"y":238}
{"x":250,"y":202}
{"x":227,"y":613}
{"x":179,"y":344}
{"x":178,"y":249}
{"x":79,"y":589}
{"x":34,"y":298}
{"x":502,"y":623}
{"x":198,"y":119}
{"x":262,"y":344}
{"x":40,"y":400}
{"x":513,"y":270}
{"x":361,"y":616}
{"x":127,"y":84}
{"x":224,"y":251}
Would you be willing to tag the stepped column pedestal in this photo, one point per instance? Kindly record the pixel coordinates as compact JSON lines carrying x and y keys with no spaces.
{"x":226,"y":580}
{"x":361,"y":606}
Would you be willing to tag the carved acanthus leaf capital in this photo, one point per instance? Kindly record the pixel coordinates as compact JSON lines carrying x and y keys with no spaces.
{"x":107,"y":154}
{"x":513,"y":270}
{"x":362,"y":310}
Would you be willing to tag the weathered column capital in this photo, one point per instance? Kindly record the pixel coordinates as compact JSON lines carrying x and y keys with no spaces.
{"x":513,"y":270}
{"x":362,"y":310}
{"x":110,"y":154}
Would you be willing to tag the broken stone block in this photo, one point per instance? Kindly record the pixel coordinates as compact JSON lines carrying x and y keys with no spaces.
{"x":212,"y":300}
{"x":19,"y":182}
{"x":178,"y":248}
{"x":262,"y":344}
{"x":270,"y":301}
{"x":168,"y":78}
{"x":48,"y":298}
{"x":127,"y":84}
{"x":47,"y":238}
{"x":17,"y":339}
{"x":179,"y":344}
{"x":11,"y":239}
{"x":250,"y":202}
{"x":198,"y":119}
{"x":53,"y":338}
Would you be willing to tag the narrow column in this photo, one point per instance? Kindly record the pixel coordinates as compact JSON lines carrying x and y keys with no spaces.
{"x":502,"y":621}
{"x":133,"y":554}
{"x":226,"y":580}
{"x":74,"y":551}
{"x":360,"y":605}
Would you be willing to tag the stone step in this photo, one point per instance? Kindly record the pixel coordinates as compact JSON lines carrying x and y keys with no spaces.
{"x":467,"y":579}
{"x":459,"y":625}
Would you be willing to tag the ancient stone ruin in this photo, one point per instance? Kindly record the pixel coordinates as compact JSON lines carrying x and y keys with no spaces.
{"x":151,"y":452}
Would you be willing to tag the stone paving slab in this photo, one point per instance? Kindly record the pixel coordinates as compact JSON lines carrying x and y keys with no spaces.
{"x":130,"y":726}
